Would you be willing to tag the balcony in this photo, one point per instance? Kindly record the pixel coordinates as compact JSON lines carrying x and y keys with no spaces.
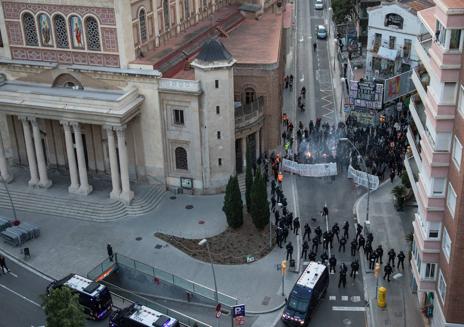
{"x":422,"y":45}
{"x":249,"y":115}
{"x":412,"y":170}
{"x":417,"y":109}
{"x":414,"y":141}
{"x":423,"y":285}
{"x":427,"y":246}
{"x":421,"y":80}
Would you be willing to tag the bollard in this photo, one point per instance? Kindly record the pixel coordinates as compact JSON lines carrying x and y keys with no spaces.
{"x":382,"y":297}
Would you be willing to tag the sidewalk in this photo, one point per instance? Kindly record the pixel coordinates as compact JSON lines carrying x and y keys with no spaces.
{"x":390,"y":228}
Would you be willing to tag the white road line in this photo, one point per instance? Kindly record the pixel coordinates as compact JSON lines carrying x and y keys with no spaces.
{"x":21,"y":296}
{"x":359,"y":309}
{"x":13,"y":274}
{"x":332,"y":298}
{"x":344,"y":298}
{"x":19,"y":263}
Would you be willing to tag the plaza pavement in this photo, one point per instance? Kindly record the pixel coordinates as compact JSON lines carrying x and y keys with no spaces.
{"x":390,"y":228}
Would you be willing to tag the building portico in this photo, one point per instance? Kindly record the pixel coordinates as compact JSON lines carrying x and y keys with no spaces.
{"x":43,"y":121}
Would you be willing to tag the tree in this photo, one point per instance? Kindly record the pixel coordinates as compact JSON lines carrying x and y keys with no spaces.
{"x":248,"y":178}
{"x":233,"y":205}
{"x":259,"y":204}
{"x":62,"y":308}
{"x":342,"y":9}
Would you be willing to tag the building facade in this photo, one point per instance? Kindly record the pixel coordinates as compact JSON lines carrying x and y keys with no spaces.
{"x":391,"y":31}
{"x":79,"y":97}
{"x":436,"y":168}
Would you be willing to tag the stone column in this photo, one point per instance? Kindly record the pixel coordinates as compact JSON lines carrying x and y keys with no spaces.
{"x":85,"y":188}
{"x":114,"y":166}
{"x":197,"y":11}
{"x":258,"y":143}
{"x":213,"y":2}
{"x":30,"y":152}
{"x":155,"y":22}
{"x":244,"y":151}
{"x":74,"y":187}
{"x":40,"y":156}
{"x":4,"y":174}
{"x":178,"y":16}
{"x":126,"y":194}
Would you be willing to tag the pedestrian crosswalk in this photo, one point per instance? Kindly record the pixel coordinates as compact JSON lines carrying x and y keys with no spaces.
{"x":345,"y":298}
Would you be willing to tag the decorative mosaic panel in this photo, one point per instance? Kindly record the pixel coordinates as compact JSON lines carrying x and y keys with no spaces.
{"x":12,"y":10}
{"x":109,"y":38}
{"x":15,"y":37}
{"x":67,"y":57}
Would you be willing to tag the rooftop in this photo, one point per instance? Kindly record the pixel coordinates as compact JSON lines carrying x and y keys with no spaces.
{"x":213,"y":50}
{"x":417,"y":5}
{"x":453,"y":4}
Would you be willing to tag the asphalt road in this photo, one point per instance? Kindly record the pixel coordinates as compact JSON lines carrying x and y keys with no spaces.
{"x":20,"y":298}
{"x":340,"y":307}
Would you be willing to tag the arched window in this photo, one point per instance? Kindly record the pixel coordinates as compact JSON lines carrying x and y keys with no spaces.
{"x":30,"y":32}
{"x":143,"y":25}
{"x":92,"y":34}
{"x":181,"y":158}
{"x":250,"y":95}
{"x":61,"y":32}
{"x":45,"y":30}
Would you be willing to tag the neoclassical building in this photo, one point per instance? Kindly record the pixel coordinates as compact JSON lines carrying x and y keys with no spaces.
{"x":148,"y":91}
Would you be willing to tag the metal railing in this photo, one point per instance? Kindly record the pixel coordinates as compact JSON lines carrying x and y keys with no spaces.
{"x":246,"y":114}
{"x":172,"y":279}
{"x":183,"y":319}
{"x":100,"y":269}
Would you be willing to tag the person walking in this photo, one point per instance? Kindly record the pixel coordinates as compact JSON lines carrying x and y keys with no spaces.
{"x":305,"y":249}
{"x":372,"y":260}
{"x":324,"y":257}
{"x":354,"y":268}
{"x":307,"y":231}
{"x":3,"y":264}
{"x":312,"y":256}
{"x":391,"y":257}
{"x":296,"y":225}
{"x":361,"y":242}
{"x":325,"y":211}
{"x":336,"y":230}
{"x":342,"y":280}
{"x":388,"y":270}
{"x":109,"y":249}
{"x":325,"y":241}
{"x":314,"y":46}
{"x":315,"y":244}
{"x":379,"y":254}
{"x":401,"y":257}
{"x":318,"y":232}
{"x":279,"y":237}
{"x":332,"y":264}
{"x":359,"y":230}
{"x":289,"y":248}
{"x":368,"y":251}
{"x":285,"y":234}
{"x":354,"y":247}
{"x":342,"y":244}
{"x":346,"y":228}
{"x":330,"y":237}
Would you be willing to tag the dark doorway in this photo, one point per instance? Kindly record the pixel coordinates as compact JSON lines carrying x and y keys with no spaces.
{"x":238,"y":156}
{"x":251,"y":140}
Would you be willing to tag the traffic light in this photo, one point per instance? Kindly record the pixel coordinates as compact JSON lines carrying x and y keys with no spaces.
{"x":283,"y":266}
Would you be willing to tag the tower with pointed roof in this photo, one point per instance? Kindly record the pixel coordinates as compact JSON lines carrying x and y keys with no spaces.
{"x":214,"y":69}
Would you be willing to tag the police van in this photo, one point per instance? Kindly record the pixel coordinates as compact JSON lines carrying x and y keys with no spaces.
{"x":306,"y":294}
{"x":140,"y":316}
{"x":94,"y":297}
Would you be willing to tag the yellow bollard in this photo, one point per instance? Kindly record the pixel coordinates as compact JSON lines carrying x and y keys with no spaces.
{"x":382,"y":297}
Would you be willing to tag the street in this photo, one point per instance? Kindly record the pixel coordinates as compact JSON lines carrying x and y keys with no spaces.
{"x":20,"y":294}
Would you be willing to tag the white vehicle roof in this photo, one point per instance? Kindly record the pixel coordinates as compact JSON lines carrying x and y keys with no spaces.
{"x":79,"y":283}
{"x":145,"y":315}
{"x":311,"y":275}
{"x":321,"y":27}
{"x":318,"y":1}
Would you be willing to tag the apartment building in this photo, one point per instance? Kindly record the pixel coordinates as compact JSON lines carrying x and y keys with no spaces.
{"x":436,"y":169}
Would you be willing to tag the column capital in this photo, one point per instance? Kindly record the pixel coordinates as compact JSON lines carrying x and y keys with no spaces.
{"x":23,"y":118}
{"x":108,"y":127}
{"x":120,"y":130}
{"x":33,"y":121}
{"x":76,"y":126}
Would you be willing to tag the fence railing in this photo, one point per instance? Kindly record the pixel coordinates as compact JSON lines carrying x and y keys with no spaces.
{"x":246,"y":114}
{"x":100,"y":269}
{"x":183,"y":319}
{"x":172,"y":279}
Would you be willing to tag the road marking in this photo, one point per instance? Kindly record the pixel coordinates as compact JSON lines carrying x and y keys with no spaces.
{"x":359,"y":309}
{"x":302,"y":78}
{"x":21,"y":296}
{"x":332,"y":298}
{"x":13,"y":274}
{"x":27,"y":267}
{"x":355,"y":299}
{"x":344,"y":298}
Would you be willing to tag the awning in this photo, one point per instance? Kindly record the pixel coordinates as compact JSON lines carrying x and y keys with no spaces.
{"x":389,"y":54}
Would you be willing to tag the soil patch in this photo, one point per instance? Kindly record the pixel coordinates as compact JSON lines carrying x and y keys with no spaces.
{"x":233,"y":246}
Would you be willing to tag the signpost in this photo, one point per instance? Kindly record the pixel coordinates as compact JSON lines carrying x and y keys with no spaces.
{"x":238,"y":314}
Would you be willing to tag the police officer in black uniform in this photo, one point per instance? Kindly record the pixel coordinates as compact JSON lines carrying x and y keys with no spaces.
{"x":354,"y":247}
{"x":391,"y":257}
{"x":332,"y":263}
{"x":354,"y":268}
{"x":401,"y":257}
{"x":307,"y":231}
{"x":342,"y":244}
{"x":304,"y":251}
{"x":315,"y":246}
{"x":388,"y":270}
{"x":289,"y":248}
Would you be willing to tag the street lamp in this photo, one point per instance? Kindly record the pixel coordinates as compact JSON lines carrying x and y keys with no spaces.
{"x":345,"y":139}
{"x":204,"y":242}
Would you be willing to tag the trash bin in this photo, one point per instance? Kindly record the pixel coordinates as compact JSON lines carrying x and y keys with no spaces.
{"x":382,"y":297}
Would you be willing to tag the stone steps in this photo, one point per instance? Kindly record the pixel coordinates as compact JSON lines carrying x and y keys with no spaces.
{"x":70,"y":207}
{"x":241,"y":182}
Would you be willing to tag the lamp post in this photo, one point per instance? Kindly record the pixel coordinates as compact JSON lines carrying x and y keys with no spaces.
{"x":345,"y":139}
{"x":204,"y":242}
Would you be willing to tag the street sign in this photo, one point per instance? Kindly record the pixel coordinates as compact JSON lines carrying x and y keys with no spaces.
{"x":218,"y":314}
{"x":238,"y":310}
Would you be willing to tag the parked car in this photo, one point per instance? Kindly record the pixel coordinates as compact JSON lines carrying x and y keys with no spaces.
{"x":321,"y":32}
{"x":319,"y":4}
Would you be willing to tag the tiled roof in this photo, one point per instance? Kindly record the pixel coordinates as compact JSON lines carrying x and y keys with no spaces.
{"x":212,"y":51}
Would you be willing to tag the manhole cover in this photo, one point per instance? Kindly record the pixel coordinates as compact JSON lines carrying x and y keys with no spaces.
{"x":138,"y":238}
{"x":173,"y":197}
{"x":266,"y":300}
{"x":158,"y":246}
{"x":201,"y":222}
{"x":346,"y":322}
{"x":189,"y":206}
